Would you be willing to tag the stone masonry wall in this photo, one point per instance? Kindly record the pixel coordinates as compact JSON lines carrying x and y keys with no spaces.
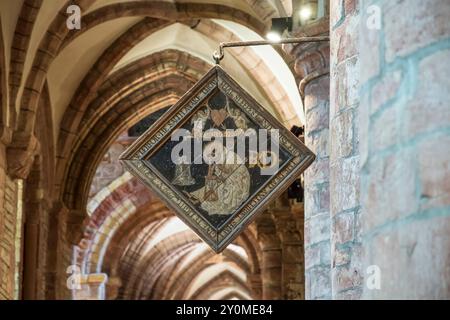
{"x":345,"y":210}
{"x":317,"y":191}
{"x":405,"y":147}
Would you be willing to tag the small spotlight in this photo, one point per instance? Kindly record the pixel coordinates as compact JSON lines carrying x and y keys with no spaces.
{"x":273,"y":36}
{"x":305,"y":13}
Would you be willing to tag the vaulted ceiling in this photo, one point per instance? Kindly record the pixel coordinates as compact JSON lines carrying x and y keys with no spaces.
{"x":197,"y":32}
{"x":130,"y":59}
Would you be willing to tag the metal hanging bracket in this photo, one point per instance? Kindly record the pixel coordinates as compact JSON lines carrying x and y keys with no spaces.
{"x":219,"y":55}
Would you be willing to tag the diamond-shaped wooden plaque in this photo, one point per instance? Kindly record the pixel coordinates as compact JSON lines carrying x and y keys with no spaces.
{"x":217,"y":201}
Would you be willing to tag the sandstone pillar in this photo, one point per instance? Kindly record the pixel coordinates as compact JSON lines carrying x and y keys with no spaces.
{"x":288,"y":224}
{"x":312,"y":67}
{"x":346,"y":253}
{"x":255,"y":283}
{"x":271,"y":258}
{"x":59,"y":254}
{"x":405,"y":147}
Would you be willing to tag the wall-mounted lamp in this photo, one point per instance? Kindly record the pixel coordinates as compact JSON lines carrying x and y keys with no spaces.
{"x":279,"y":26}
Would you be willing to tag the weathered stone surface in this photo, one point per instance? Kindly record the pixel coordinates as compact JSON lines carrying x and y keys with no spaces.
{"x":427,"y":110}
{"x":385,"y":130}
{"x":385,"y":90}
{"x":343,"y":228}
{"x":434,"y":172}
{"x":344,"y":184}
{"x":317,"y":199}
{"x":342,"y":134}
{"x":413,"y":260}
{"x":344,"y":141}
{"x":312,"y":66}
{"x":405,"y":148}
{"x":397,"y":173}
{"x":422,"y":23}
{"x":318,"y":283}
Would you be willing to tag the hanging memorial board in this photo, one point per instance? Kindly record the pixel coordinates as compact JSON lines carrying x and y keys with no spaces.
{"x":217,"y":158}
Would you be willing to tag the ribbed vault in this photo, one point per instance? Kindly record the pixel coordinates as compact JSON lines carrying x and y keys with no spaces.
{"x":73,"y":95}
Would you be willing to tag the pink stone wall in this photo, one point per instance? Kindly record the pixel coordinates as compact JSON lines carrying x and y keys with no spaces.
{"x":317,"y":191}
{"x":345,"y":208}
{"x":405,"y":147}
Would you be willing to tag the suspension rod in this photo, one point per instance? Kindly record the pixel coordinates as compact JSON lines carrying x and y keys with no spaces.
{"x":218,"y":55}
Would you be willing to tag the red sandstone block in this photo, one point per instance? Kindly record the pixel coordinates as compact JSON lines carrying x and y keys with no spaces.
{"x":434,"y":171}
{"x":428,"y":109}
{"x":415,"y":28}
{"x":342,"y":130}
{"x":317,"y":199}
{"x":347,"y":277}
{"x":413,"y":259}
{"x":384,"y":90}
{"x":369,"y":53}
{"x":385,"y":131}
{"x":312,"y":257}
{"x":342,"y":228}
{"x":344,"y":185}
{"x":340,"y":256}
{"x":317,"y":229}
{"x":318,"y":117}
{"x":319,"y":171}
{"x":391,"y":188}
{"x":318,"y":283}
{"x":351,"y":7}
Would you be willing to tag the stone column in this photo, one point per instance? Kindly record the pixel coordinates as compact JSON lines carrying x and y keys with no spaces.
{"x":59,"y":254}
{"x":292,"y":250}
{"x":344,"y":154}
{"x":8,"y":218}
{"x":271,"y":258}
{"x":312,"y":67}
{"x":255,"y":283}
{"x":30,"y":256}
{"x":405,"y":148}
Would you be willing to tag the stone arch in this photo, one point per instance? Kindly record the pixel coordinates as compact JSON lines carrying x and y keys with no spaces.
{"x":219,"y":281}
{"x":19,"y":48}
{"x":173,"y":246}
{"x":120,"y":115}
{"x":87,"y":90}
{"x":38,"y":187}
{"x":178,"y":288}
{"x":171,"y":11}
{"x":129,"y":230}
{"x":75,"y":114}
{"x":57,"y":31}
{"x":44,"y":134}
{"x":45,"y":54}
{"x":4,"y":114}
